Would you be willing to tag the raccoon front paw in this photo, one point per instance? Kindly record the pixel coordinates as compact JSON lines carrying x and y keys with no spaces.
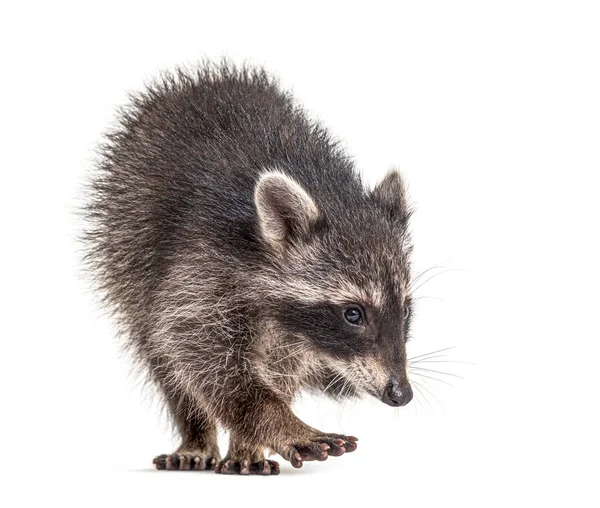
{"x":320,"y":448}
{"x":263,"y":467}
{"x":184,"y":462}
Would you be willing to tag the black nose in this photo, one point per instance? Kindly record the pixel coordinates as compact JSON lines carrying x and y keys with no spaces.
{"x":396,"y":395}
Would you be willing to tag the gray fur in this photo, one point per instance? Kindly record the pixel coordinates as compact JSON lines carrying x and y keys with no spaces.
{"x":228,"y":232}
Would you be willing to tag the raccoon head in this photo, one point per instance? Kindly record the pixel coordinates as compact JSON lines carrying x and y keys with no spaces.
{"x":339,"y":281}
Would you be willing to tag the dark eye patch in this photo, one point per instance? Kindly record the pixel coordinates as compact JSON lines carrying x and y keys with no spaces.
{"x":323,"y":325}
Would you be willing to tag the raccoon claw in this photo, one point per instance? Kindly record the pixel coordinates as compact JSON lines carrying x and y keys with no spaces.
{"x":321,"y":447}
{"x":184,"y":462}
{"x":244,"y":467}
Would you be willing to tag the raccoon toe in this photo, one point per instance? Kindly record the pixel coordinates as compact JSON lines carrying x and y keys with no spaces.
{"x":320,"y":448}
{"x":313,"y":451}
{"x":339,"y":442}
{"x":245,"y":467}
{"x":184,"y":462}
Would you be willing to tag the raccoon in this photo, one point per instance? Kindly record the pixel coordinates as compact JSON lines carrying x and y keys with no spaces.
{"x":245,"y":260}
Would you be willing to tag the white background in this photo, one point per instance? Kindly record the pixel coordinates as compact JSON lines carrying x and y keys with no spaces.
{"x":492,"y":111}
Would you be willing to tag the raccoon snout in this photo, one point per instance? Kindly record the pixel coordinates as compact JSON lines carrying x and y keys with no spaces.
{"x":397,"y":395}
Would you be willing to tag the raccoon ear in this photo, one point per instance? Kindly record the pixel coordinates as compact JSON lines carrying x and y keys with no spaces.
{"x":391,"y":195}
{"x":285,"y":210}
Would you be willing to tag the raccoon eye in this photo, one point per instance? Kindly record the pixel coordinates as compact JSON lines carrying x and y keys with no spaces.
{"x":406,"y":313}
{"x":354,"y":315}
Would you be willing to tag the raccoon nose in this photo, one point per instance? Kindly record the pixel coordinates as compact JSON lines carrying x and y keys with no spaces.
{"x":396,"y":395}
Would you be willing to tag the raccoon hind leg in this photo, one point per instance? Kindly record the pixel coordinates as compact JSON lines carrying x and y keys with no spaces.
{"x":244,"y":460}
{"x":199,"y":449}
